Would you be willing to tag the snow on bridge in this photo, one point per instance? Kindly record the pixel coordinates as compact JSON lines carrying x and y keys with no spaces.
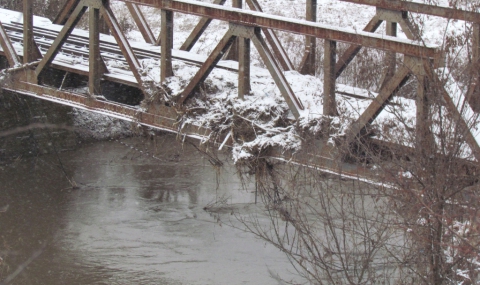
{"x":263,"y":91}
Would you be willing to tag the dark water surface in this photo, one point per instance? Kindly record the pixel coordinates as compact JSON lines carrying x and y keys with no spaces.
{"x":135,"y":219}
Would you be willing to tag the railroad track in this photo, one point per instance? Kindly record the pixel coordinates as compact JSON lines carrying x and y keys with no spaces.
{"x":77,"y":46}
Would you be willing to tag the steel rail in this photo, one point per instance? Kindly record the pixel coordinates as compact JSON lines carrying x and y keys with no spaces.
{"x":428,"y":9}
{"x":263,"y":20}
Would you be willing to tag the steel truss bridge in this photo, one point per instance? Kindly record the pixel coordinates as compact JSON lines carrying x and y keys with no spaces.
{"x":31,"y":51}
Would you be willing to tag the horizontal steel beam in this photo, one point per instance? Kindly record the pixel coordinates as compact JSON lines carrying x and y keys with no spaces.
{"x":428,"y":9}
{"x":163,"y":118}
{"x":166,"y":119}
{"x":258,"y":19}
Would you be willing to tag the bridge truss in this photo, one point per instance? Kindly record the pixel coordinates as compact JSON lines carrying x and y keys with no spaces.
{"x":246,"y":26}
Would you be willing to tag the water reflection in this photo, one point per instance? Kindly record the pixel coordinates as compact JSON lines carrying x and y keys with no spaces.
{"x":134,"y":220}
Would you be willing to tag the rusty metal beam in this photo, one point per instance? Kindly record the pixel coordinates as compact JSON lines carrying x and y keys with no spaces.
{"x":379,"y":103}
{"x":250,"y":18}
{"x":329,"y":59}
{"x":61,"y":38}
{"x":424,"y":138}
{"x":166,"y":69}
{"x":65,"y":12}
{"x":96,"y":65}
{"x":273,"y":67}
{"x":208,"y":66}
{"x":390,"y":57}
{"x":473,"y":92}
{"x":308,"y":65}
{"x":12,"y":57}
{"x":123,"y":44}
{"x":323,"y":157}
{"x":353,"y":50}
{"x":141,"y":23}
{"x":428,"y":9}
{"x":233,"y":52}
{"x":275,"y":70}
{"x":409,"y":29}
{"x":199,"y":29}
{"x":164,"y":118}
{"x":272,"y":39}
{"x":197,"y":32}
{"x":30,"y":49}
{"x":244,"y":68}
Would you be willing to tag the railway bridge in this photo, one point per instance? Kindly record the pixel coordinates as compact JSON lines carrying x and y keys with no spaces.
{"x":59,"y":62}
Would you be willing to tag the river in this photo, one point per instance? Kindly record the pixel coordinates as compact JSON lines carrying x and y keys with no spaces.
{"x":136,"y":217}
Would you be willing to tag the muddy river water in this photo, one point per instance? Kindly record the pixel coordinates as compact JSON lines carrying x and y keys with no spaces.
{"x":135,"y":218}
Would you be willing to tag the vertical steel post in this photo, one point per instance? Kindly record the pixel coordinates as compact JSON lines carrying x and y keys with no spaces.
{"x":95,"y":60}
{"x":30,"y":52}
{"x":30,"y":49}
{"x":424,"y":138}
{"x":103,"y":26}
{"x":233,"y":53}
{"x":330,"y":58}
{"x":244,"y":68}
{"x":308,"y":62}
{"x":166,"y":69}
{"x":473,"y":93}
{"x":391,"y":56}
